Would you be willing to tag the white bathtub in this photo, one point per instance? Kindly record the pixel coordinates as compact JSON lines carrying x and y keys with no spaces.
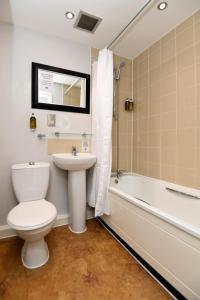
{"x":163,"y":227}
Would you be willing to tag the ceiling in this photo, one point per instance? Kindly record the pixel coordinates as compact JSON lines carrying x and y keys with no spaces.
{"x":154,"y":24}
{"x":47,"y":16}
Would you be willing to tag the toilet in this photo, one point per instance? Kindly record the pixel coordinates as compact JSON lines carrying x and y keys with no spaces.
{"x":33,"y":217}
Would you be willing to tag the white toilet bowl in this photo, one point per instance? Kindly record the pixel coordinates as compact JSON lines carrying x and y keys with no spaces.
{"x":32,"y":221}
{"x":33,"y":217}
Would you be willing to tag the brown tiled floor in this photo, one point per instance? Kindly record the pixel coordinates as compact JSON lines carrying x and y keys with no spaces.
{"x":89,"y":266}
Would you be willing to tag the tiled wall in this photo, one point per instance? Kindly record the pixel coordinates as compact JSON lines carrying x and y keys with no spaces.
{"x":166,"y":119}
{"x":125,"y":118}
{"x":59,"y":145}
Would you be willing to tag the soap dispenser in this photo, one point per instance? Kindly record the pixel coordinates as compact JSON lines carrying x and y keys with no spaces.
{"x":32,"y":122}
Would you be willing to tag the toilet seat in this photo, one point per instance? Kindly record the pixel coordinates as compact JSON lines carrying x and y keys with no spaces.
{"x":31,"y":215}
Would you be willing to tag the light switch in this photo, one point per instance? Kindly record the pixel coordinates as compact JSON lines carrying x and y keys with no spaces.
{"x":51,"y":120}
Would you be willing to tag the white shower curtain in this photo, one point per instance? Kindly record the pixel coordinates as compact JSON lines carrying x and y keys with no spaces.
{"x":102,"y":109}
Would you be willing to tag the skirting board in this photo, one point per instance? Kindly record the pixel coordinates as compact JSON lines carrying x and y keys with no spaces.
{"x":6,"y":231}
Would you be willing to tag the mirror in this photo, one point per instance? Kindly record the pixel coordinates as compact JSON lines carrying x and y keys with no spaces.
{"x":60,"y":89}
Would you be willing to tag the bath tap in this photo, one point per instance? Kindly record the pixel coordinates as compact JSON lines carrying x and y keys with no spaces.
{"x":74,"y":151}
{"x":118,"y":173}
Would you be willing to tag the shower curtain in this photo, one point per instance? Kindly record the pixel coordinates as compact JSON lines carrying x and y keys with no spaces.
{"x":102,"y":109}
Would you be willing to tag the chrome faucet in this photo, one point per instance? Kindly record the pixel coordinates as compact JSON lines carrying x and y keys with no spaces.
{"x":118,"y":173}
{"x":74,"y":151}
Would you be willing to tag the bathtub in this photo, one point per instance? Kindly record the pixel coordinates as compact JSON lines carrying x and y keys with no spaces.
{"x":160,"y":221}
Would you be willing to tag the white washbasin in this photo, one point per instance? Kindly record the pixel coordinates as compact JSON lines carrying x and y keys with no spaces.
{"x":67,"y":161}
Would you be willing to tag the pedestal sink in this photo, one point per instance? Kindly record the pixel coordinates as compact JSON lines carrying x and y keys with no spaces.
{"x":76,"y":167}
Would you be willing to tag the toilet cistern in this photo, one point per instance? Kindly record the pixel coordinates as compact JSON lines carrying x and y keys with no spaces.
{"x":76,"y":166}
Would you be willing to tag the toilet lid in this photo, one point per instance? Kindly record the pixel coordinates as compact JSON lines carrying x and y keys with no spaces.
{"x":31,"y":215}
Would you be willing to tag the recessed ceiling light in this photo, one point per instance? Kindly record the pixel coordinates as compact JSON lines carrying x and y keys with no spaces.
{"x":69,"y":15}
{"x":162,"y":5}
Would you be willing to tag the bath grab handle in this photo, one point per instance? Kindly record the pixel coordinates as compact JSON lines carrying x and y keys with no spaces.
{"x":182,"y":193}
{"x":142,"y":200}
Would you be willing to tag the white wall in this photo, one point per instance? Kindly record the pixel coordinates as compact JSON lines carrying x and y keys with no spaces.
{"x":18,"y":48}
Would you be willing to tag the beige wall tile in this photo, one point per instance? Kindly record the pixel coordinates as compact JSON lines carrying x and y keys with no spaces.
{"x":154,"y":91}
{"x":198,"y":140}
{"x":168,"y":138}
{"x":154,"y":107}
{"x":141,"y":167}
{"x":184,"y":39}
{"x":168,"y":102}
{"x":123,"y":164}
{"x":94,"y":54}
{"x":186,"y":138}
{"x":143,"y":65}
{"x":154,"y":123}
{"x":198,"y":100}
{"x":168,"y":172}
{"x":184,"y":25}
{"x":154,"y":76}
{"x":154,"y":48}
{"x":142,"y":154}
{"x":197,"y":32}
{"x":168,"y":121}
{"x":143,"y":55}
{"x":168,"y":68}
{"x":154,"y":59}
{"x":168,"y":85}
{"x":187,"y":118}
{"x":63,"y":145}
{"x":186,"y":77}
{"x":198,"y":74}
{"x":142,"y":139}
{"x":168,"y":155}
{"x":143,"y":124}
{"x":185,"y":157}
{"x":154,"y":155}
{"x":185,"y":58}
{"x":166,"y":88}
{"x":168,"y":46}
{"x":197,"y":16}
{"x":185,"y":176}
{"x":143,"y":81}
{"x":197,"y":53}
{"x":153,"y":138}
{"x":154,"y":170}
{"x":186,"y":97}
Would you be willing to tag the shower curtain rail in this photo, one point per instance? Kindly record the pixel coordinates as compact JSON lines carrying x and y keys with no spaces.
{"x":128,"y":25}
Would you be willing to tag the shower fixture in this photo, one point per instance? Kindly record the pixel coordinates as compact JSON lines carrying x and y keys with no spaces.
{"x":117,"y":71}
{"x":116,"y":76}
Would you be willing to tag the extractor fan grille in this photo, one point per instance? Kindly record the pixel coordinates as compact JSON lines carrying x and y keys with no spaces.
{"x":87,"y":22}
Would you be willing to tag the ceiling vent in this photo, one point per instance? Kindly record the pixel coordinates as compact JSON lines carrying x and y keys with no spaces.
{"x":87,"y":22}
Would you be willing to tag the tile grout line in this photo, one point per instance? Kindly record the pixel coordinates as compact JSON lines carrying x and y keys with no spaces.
{"x":176,"y":128}
{"x":195,"y":95}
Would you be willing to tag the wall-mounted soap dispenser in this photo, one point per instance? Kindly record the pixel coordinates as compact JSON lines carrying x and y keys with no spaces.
{"x":33,"y":122}
{"x":129,"y":104}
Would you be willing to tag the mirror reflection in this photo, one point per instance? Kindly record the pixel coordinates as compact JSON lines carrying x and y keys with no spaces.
{"x":61,"y":89}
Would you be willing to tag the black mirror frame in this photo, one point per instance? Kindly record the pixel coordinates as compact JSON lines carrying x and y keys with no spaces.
{"x":37,"y":104}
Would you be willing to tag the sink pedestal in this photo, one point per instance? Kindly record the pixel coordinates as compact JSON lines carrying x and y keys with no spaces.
{"x":76,"y":167}
{"x":77,"y":201}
